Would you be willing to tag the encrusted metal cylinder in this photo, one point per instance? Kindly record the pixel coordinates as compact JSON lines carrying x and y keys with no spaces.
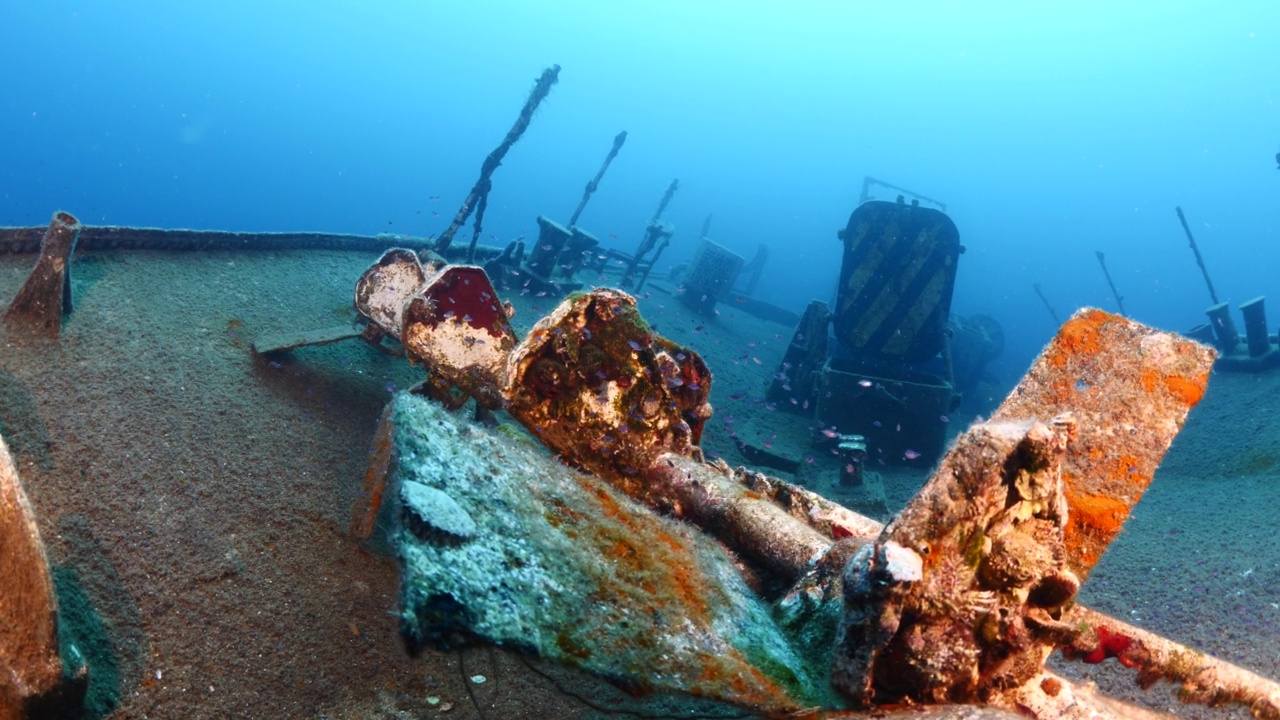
{"x":1255,"y":327}
{"x":1224,"y":328}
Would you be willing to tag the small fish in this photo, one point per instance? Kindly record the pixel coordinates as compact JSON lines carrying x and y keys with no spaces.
{"x":831,"y":433}
{"x":865,"y":383}
{"x":877,"y":423}
{"x":737,"y":396}
{"x":466,"y":318}
{"x":677,"y":382}
{"x":944,"y":418}
{"x":633,"y":345}
{"x":910,"y":454}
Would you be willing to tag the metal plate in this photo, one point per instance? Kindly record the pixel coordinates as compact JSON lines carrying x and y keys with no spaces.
{"x":896,"y":281}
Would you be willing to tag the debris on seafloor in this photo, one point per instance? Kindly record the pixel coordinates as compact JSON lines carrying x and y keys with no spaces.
{"x":46,"y":295}
{"x":960,"y":600}
{"x":34,"y":682}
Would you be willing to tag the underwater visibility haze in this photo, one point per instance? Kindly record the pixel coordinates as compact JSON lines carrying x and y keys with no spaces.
{"x":1051,"y":130}
{"x":209,"y":482}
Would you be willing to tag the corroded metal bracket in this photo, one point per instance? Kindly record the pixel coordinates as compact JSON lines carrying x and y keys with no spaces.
{"x":46,"y":295}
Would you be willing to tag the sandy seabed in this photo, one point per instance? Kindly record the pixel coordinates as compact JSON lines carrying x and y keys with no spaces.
{"x":195,"y":501}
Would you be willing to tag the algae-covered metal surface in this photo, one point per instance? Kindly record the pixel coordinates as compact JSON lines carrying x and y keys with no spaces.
{"x":555,"y":562}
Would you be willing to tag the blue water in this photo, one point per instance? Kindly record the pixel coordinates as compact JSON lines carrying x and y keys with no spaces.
{"x":1051,"y":131}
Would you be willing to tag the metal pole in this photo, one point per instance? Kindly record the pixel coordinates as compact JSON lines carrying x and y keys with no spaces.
{"x":1119,"y":300}
{"x":1052,"y":313}
{"x":595,"y":182}
{"x":539,"y":93}
{"x":1199,"y":260}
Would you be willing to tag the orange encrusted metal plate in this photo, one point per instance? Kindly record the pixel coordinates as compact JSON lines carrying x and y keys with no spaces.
{"x":1130,"y":387}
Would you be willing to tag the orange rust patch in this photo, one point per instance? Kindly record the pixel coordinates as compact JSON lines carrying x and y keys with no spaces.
{"x":1150,"y":380}
{"x":1092,"y":521}
{"x":1188,"y":390}
{"x":1128,"y":469}
{"x":1078,"y":336}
